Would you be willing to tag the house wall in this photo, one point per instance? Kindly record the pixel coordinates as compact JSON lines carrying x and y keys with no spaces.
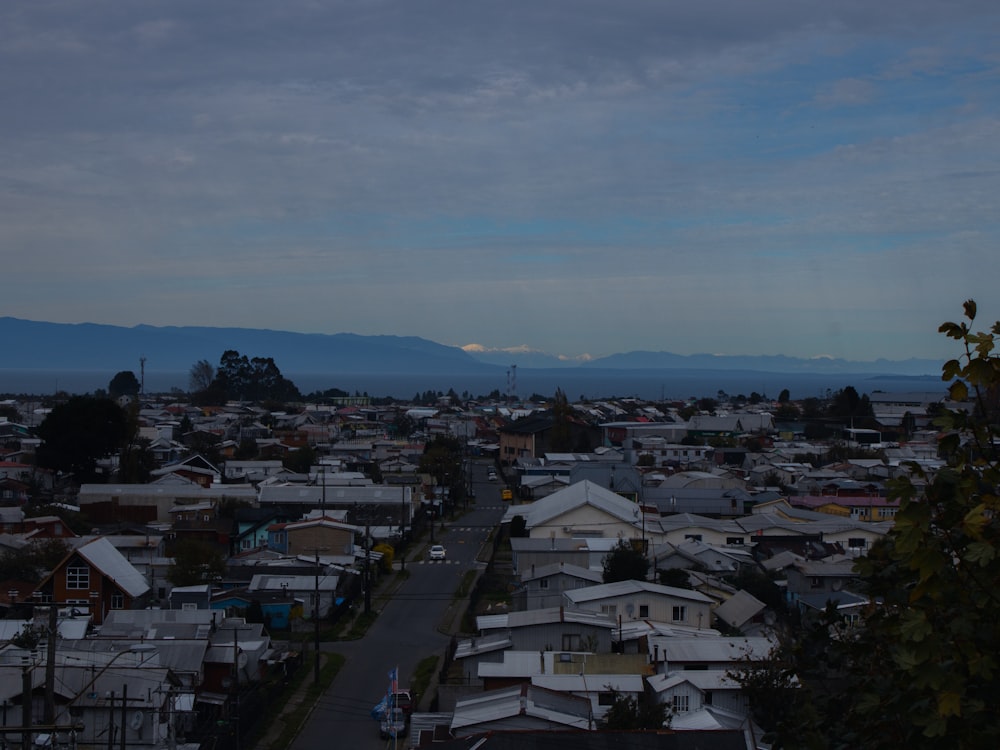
{"x":546,"y":592}
{"x":525,"y":559}
{"x":99,"y":594}
{"x":557,"y":636}
{"x":307,"y":540}
{"x":583,"y":520}
{"x":660,"y":608}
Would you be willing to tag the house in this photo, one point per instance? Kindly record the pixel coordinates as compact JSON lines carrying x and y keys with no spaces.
{"x":553,"y":629}
{"x":824,"y":577}
{"x":195,"y":468}
{"x":322,"y":534}
{"x":690,"y":690}
{"x":584,"y":509}
{"x":641,"y":600}
{"x":46,"y":527}
{"x":97,"y":576}
{"x":692,"y":553}
{"x":524,"y":707}
{"x":533,"y":436}
{"x":541,"y":553}
{"x":190,"y":597}
{"x":543,"y":587}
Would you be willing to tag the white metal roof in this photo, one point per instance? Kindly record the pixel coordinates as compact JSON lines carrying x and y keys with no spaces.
{"x":103,"y":555}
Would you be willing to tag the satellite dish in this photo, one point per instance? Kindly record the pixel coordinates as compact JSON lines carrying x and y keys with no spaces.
{"x":136,"y":721}
{"x":241,"y":660}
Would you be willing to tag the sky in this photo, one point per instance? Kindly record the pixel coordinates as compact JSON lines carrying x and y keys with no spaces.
{"x":569,"y":176}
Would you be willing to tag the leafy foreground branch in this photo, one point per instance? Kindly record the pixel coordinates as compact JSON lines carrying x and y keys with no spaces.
{"x":923,"y":669}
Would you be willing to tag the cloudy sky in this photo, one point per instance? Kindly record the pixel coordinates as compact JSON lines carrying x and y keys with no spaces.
{"x":573,"y":176}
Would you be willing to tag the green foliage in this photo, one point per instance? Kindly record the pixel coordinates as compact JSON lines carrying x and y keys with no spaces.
{"x":125,"y":383}
{"x":562,"y":413}
{"x":194,"y":563}
{"x":301,"y":460}
{"x":924,"y":671}
{"x":201,"y":376}
{"x":28,"y":638}
{"x":31,"y":562}
{"x":675,"y":577}
{"x":257,"y":379}
{"x":628,"y":713}
{"x":80,"y":431}
{"x":518,"y":527}
{"x":625,"y":563}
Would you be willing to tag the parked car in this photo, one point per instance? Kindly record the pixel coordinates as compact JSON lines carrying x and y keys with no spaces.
{"x":437,"y":552}
{"x":393,"y":724}
{"x":403,"y":700}
{"x":492,"y":476}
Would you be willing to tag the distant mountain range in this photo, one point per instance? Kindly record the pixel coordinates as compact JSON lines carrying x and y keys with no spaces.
{"x":40,"y":347}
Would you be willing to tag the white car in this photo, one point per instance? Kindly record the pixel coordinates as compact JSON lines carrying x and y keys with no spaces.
{"x":437,"y":552}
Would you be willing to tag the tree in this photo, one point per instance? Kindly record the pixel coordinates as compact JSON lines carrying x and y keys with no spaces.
{"x":201,"y":375}
{"x":562,"y":413}
{"x":922,"y":670}
{"x":628,"y":713}
{"x":625,"y":562}
{"x":125,"y":383}
{"x":676,"y":577}
{"x":79,"y":432}
{"x":784,"y":397}
{"x":926,"y":668}
{"x":195,"y":563}
{"x":257,"y":379}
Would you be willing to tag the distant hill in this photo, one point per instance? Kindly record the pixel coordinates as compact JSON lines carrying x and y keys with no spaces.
{"x":31,"y":345}
{"x":43,"y":357}
{"x":641,"y":360}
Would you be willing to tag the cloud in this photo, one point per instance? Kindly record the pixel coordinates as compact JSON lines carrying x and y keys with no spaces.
{"x":560,"y":176}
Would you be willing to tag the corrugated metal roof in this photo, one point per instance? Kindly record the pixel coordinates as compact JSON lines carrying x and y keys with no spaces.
{"x":103,"y":555}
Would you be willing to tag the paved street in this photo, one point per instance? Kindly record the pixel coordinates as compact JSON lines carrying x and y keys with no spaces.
{"x":407,"y":630}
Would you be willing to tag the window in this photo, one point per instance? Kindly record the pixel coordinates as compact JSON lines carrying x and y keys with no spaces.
{"x":572,"y":642}
{"x":77,"y":577}
{"x":679,"y":614}
{"x":609,"y":609}
{"x":816,"y":582}
{"x":117,"y":601}
{"x":605,"y":699}
{"x":731,"y":540}
{"x":856,"y":543}
{"x":643,"y":610}
{"x":543,"y":583}
{"x":188,"y":606}
{"x":694,"y":537}
{"x":680,"y":703}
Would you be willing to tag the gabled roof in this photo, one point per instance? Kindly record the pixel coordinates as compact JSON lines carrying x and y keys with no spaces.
{"x":102,"y":555}
{"x":575,"y":496}
{"x":523,"y":700}
{"x":624,"y":588}
{"x":552,"y":569}
{"x":739,"y":608}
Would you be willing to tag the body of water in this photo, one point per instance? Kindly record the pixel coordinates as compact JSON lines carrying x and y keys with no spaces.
{"x":575,"y":383}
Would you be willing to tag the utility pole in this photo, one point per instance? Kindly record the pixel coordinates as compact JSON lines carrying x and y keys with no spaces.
{"x":316,"y":618}
{"x":402,"y":533}
{"x":26,"y":707}
{"x":111,"y":720}
{"x":124,"y":714}
{"x":234,"y":710}
{"x":49,"y":717}
{"x":368,"y":563}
